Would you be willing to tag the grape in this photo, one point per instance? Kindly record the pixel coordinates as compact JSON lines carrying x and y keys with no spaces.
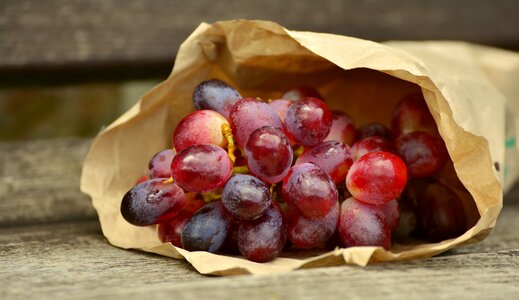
{"x":391,"y":210}
{"x":423,"y":153}
{"x":160,"y":164}
{"x":215,"y":95}
{"x":200,"y":127}
{"x":440,"y":213}
{"x":201,"y":168}
{"x":333,"y":157}
{"x":269,"y":154}
{"x":371,"y":144}
{"x":307,"y":233}
{"x":262,"y":239}
{"x":363,"y":224}
{"x":308,"y":121}
{"x":372,"y":129}
{"x":171,"y":231}
{"x":246,"y":197}
{"x":407,"y":223}
{"x":377,"y":178}
{"x":310,"y":190}
{"x":230,"y":245}
{"x":250,"y":114}
{"x":207,"y":229}
{"x":342,"y":129}
{"x":151,"y":202}
{"x":301,"y":92}
{"x":280,"y":107}
{"x":412,"y":114}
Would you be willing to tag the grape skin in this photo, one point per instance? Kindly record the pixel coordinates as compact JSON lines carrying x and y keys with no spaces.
{"x":269,"y":154}
{"x":207,"y":229}
{"x":424,"y":154}
{"x":246,"y":197}
{"x":200,"y":127}
{"x":342,"y":129}
{"x":363,"y":224}
{"x":308,"y":121}
{"x":310,"y":190}
{"x":201,"y":168}
{"x":250,"y":114}
{"x":151,"y":202}
{"x":333,"y":157}
{"x":307,"y":233}
{"x":262,"y":239}
{"x":160,"y":164}
{"x":215,"y":95}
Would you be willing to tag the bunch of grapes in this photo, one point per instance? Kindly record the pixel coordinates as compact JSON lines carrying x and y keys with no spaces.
{"x":254,"y":177}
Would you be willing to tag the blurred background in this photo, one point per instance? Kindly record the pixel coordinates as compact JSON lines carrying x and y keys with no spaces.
{"x":68,"y":68}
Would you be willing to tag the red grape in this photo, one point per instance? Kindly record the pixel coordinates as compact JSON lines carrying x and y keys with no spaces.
{"x":246,"y":197}
{"x":269,"y":154}
{"x":160,"y":164}
{"x":171,"y":231}
{"x":440,"y":213}
{"x":412,"y":114}
{"x":301,"y":92}
{"x":207,"y":229}
{"x":391,"y":210}
{"x":200,"y":127}
{"x":423,"y":153}
{"x":201,"y":168}
{"x":372,"y":129}
{"x":262,"y":239}
{"x":342,"y":129}
{"x":308,"y":233}
{"x":151,"y":202}
{"x":308,"y":121}
{"x":280,"y":106}
{"x":363,"y":224}
{"x":250,"y":114}
{"x":371,"y":144}
{"x":215,"y":95}
{"x":377,"y":178}
{"x":333,"y":157}
{"x":310,"y":190}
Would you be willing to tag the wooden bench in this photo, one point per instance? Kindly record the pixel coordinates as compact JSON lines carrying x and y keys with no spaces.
{"x":51,"y":245}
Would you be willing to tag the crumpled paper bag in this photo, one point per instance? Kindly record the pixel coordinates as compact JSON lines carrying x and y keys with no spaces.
{"x":471,"y":92}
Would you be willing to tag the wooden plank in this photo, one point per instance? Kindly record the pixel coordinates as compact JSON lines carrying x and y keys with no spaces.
{"x":39,"y":182}
{"x":102,"y":36}
{"x":73,"y":260}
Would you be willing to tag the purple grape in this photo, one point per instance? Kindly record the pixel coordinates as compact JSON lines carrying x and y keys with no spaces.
{"x":246,"y":197}
{"x":152,"y":202}
{"x":262,"y":239}
{"x":207,"y":229}
{"x":215,"y":95}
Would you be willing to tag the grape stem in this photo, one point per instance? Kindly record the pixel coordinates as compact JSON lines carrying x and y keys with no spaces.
{"x":170,"y":180}
{"x":240,"y":170}
{"x":210,"y":197}
{"x":227,"y":133}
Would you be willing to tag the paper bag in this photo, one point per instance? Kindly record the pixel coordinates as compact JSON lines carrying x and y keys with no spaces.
{"x":469,"y":90}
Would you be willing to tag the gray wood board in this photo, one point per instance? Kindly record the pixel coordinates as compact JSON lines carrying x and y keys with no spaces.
{"x":39,"y":182}
{"x":73,"y":260}
{"x":58,"y":33}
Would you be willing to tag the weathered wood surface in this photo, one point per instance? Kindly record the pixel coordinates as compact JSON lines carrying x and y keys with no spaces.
{"x":64,"y":255}
{"x":39,"y":182}
{"x":141,"y":37}
{"x":73,"y":260}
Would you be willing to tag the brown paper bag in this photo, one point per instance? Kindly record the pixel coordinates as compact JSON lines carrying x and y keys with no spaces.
{"x":465,"y":86}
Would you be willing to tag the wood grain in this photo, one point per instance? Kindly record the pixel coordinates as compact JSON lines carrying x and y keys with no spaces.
{"x":73,"y":260}
{"x":103,"y":36}
{"x":39,"y":182}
